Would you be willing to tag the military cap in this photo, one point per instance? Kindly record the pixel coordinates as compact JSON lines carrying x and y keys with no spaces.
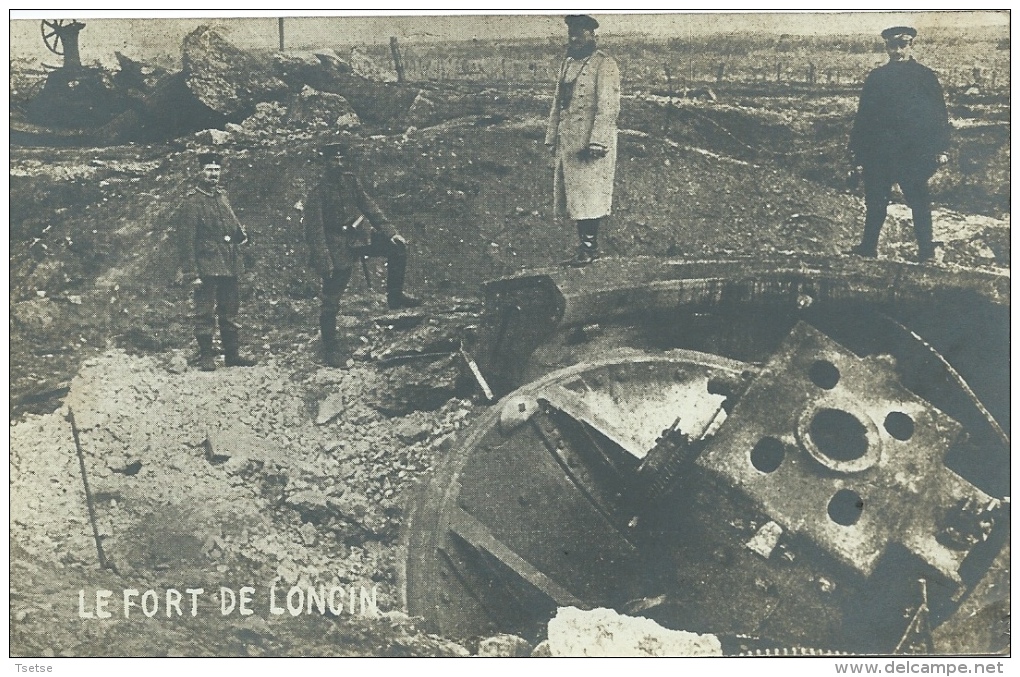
{"x":210,"y":158}
{"x":899,"y":32}
{"x":581,"y":22}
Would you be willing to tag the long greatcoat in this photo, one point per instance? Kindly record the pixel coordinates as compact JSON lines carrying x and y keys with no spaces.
{"x":901,"y":122}
{"x":584,"y":185}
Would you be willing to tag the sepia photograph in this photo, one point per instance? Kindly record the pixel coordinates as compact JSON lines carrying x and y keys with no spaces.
{"x":557,"y":334}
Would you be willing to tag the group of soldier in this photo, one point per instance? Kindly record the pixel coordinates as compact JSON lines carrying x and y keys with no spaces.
{"x":900,"y":136}
{"x":334,"y":214}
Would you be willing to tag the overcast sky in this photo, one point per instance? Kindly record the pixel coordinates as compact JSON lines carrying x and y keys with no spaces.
{"x":161,"y":32}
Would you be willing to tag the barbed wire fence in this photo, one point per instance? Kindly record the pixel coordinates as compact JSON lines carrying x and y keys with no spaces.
{"x":678,"y":75}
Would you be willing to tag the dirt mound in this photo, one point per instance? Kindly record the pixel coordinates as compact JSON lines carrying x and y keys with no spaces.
{"x":223,"y":479}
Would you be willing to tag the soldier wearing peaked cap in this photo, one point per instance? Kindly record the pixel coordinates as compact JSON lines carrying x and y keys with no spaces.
{"x":581,"y":134}
{"x":897,"y":32}
{"x":338,"y":238}
{"x":900,"y":136}
{"x":210,"y":237}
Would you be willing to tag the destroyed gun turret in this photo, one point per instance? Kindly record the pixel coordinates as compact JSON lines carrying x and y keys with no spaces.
{"x":782,"y":453}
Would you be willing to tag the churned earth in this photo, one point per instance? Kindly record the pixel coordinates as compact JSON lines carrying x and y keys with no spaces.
{"x":298,"y":476}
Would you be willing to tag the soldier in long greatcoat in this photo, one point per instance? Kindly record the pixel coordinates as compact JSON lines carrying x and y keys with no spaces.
{"x":900,"y":136}
{"x":582,"y":134}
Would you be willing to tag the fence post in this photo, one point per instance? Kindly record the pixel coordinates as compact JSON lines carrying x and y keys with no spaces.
{"x":398,"y":65}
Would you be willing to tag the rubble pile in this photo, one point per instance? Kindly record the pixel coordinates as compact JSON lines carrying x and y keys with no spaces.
{"x":967,"y":239}
{"x":301,"y":116}
{"x":263,"y":124}
{"x":315,"y":109}
{"x":226,"y":478}
{"x":26,"y":80}
{"x":504,"y":646}
{"x":604,"y":632}
{"x":225,"y":78}
{"x":360,"y":64}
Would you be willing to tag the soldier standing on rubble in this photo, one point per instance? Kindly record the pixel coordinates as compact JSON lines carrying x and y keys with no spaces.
{"x":338,"y":239}
{"x":210,"y":237}
{"x":900,"y":135}
{"x":582,"y":134}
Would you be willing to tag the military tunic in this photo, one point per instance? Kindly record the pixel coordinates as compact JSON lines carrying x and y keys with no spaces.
{"x":331,"y":210}
{"x":335,"y":243}
{"x":209,"y":235}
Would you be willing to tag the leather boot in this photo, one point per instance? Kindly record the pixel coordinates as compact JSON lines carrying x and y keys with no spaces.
{"x":331,"y":353}
{"x":923,"y":232}
{"x":230,"y":350}
{"x":396,"y":268}
{"x":586,"y":254}
{"x":206,"y":359}
{"x":588,"y":243}
{"x":873,"y":220}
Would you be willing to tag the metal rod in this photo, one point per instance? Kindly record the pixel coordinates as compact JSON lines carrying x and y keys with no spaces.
{"x":88,"y":493}
{"x":364,"y":271}
{"x":477,"y":373}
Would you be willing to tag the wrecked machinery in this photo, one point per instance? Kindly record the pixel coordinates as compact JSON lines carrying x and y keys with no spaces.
{"x":795,"y":455}
{"x":72,"y":95}
{"x":141,"y":101}
{"x":218,"y":84}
